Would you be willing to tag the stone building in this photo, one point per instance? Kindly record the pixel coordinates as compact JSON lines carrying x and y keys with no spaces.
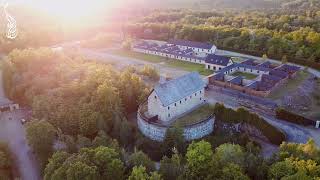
{"x":170,"y":99}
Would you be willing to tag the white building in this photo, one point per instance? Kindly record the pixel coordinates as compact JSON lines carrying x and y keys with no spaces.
{"x":173,"y":98}
{"x":197,"y":47}
{"x":216,"y":62}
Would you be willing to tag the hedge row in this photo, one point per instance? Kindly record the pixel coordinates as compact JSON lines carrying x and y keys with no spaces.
{"x":294,"y":118}
{"x":274,"y":135}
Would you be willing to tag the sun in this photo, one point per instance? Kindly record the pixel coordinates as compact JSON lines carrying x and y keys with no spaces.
{"x":73,"y":10}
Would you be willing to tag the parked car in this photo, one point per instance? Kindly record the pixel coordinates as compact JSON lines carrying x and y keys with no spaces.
{"x":23,"y":121}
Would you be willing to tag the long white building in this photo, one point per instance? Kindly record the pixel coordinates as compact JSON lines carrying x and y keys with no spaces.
{"x":197,"y":47}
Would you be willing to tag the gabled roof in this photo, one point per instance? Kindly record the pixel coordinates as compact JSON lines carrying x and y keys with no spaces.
{"x":237,"y":80}
{"x":249,"y":62}
{"x":180,"y":88}
{"x":216,"y":59}
{"x":190,"y":43}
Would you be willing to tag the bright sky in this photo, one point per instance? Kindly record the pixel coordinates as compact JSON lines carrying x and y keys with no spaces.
{"x":70,"y":9}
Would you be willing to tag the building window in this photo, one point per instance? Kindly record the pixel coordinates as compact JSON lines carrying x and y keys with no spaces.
{"x":180,"y":102}
{"x":214,"y":67}
{"x":185,"y":99}
{"x":219,"y":68}
{"x":200,"y":99}
{"x":175,"y":104}
{"x":200,"y":92}
{"x":257,"y":71}
{"x":168,"y":107}
{"x":169,"y":115}
{"x":195,"y":94}
{"x":251,"y":70}
{"x":155,"y":97}
{"x":190,"y":97}
{"x":208,"y":66}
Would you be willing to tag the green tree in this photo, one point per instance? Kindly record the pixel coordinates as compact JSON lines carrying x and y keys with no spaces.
{"x":280,"y":170}
{"x":171,"y":168}
{"x":127,"y":45}
{"x":138,"y":173}
{"x":284,"y":59}
{"x":40,"y":136}
{"x":173,"y":139}
{"x":139,"y":158}
{"x":233,"y":172}
{"x":230,"y":153}
{"x":55,"y":162}
{"x":264,"y":57}
{"x":199,"y":160}
{"x":98,"y":163}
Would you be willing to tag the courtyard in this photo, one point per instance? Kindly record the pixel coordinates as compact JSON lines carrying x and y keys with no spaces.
{"x":195,"y":116}
{"x":245,"y":75}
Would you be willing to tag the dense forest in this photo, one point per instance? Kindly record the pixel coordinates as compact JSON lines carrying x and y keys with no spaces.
{"x":277,"y":33}
{"x":80,"y":128}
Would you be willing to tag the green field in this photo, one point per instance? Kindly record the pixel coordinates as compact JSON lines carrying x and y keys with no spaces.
{"x":195,"y":116}
{"x":183,"y":65}
{"x":140,"y":56}
{"x":245,"y":75}
{"x":291,"y":85}
{"x":188,"y":66}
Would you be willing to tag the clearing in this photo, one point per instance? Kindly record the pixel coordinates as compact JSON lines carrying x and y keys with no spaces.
{"x":289,"y":86}
{"x":245,"y":75}
{"x":195,"y":116}
{"x":187,"y":66}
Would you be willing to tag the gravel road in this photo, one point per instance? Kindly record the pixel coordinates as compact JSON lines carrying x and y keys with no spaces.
{"x":295,"y":133}
{"x":121,"y":62}
{"x":13,"y":133}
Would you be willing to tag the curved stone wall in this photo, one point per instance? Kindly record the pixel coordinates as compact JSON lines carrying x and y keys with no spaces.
{"x":191,"y":132}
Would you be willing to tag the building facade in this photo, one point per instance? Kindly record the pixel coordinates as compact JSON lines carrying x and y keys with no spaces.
{"x":216,"y":62}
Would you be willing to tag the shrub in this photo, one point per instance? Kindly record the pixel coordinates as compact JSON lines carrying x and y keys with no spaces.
{"x":242,"y":115}
{"x":151,"y":72}
{"x":294,"y":118}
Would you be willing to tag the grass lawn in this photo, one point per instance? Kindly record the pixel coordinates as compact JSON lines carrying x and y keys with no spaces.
{"x":140,"y":56}
{"x":245,"y":75}
{"x":195,"y":116}
{"x":187,"y":66}
{"x":291,"y":85}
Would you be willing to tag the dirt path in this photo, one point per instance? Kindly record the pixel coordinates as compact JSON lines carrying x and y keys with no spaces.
{"x":121,"y":62}
{"x":13,"y":133}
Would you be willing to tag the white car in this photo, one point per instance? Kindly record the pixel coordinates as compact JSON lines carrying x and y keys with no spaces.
{"x":23,"y":121}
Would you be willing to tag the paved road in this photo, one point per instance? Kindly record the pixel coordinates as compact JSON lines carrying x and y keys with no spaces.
{"x":295,"y":133}
{"x":13,"y":133}
{"x":230,"y":53}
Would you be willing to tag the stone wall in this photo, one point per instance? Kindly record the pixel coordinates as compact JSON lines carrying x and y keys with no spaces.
{"x":157,"y":132}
